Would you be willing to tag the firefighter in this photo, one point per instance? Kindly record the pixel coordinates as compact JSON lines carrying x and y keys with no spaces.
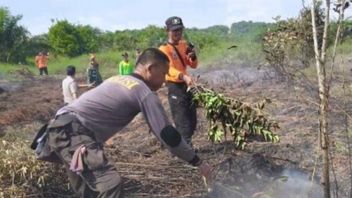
{"x":182,"y":56}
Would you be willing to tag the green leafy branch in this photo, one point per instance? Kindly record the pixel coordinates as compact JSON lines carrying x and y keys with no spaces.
{"x":226,"y":114}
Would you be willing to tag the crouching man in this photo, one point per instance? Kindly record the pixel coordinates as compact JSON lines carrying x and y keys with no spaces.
{"x":77,"y":133}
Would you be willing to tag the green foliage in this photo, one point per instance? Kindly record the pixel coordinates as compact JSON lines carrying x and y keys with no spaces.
{"x":346,"y":31}
{"x":151,"y":36}
{"x":124,"y":40}
{"x":73,"y":40}
{"x":129,"y":40}
{"x":39,"y":43}
{"x":88,"y":38}
{"x":229,"y":115}
{"x":13,"y":38}
{"x":218,"y":30}
{"x":202,"y":39}
{"x":64,"y":38}
{"x":292,"y":39}
{"x":252,"y":31}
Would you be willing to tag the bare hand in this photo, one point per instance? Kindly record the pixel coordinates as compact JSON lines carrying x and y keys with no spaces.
{"x":192,"y":55}
{"x":188,"y":80}
{"x":206,"y":171}
{"x":91,"y":84}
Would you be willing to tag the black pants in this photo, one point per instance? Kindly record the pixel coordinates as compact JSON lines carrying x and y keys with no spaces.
{"x":43,"y":70}
{"x":183,"y":110}
{"x":99,"y":177}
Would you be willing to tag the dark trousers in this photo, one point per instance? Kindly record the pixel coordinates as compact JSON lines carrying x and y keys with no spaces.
{"x":99,"y":177}
{"x":43,"y":70}
{"x":183,"y":110}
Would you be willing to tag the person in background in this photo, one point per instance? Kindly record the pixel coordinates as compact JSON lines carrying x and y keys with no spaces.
{"x":182,"y":56}
{"x":41,"y":60}
{"x":70,"y":86}
{"x":93,"y":74}
{"x":125,"y":67}
{"x":79,"y":129}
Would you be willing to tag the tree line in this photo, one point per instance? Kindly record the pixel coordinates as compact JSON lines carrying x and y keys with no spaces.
{"x":68,"y":39}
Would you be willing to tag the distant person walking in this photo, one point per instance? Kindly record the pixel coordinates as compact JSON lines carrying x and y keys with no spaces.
{"x":93,"y":74}
{"x":125,"y":67}
{"x":181,"y":55}
{"x":41,"y":60}
{"x":70,"y":86}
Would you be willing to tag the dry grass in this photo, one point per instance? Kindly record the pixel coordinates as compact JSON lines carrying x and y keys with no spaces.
{"x":21,"y":174}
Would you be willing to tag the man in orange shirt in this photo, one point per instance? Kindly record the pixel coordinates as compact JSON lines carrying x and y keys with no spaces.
{"x":41,"y":60}
{"x":181,"y":55}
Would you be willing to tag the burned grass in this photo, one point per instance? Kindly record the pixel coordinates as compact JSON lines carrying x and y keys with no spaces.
{"x":262,"y":169}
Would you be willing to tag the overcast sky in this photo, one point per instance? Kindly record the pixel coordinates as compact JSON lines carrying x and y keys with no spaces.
{"x":135,"y":14}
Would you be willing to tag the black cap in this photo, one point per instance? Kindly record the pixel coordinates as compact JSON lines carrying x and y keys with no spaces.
{"x":174,"y":23}
{"x":70,"y":70}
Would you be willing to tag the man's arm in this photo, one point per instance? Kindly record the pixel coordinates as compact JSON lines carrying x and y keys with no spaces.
{"x":73,"y":89}
{"x":86,"y":85}
{"x":157,"y":120}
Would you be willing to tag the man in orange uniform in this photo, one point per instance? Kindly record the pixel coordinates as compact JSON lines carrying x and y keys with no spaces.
{"x":41,"y":60}
{"x":181,"y":55}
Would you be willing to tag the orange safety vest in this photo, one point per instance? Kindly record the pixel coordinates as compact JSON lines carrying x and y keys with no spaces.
{"x":41,"y":61}
{"x":176,"y":66}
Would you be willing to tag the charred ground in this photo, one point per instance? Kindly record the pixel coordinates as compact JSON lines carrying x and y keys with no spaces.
{"x":262,"y":169}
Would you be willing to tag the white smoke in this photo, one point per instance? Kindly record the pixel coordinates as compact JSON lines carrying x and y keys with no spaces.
{"x":289,"y":184}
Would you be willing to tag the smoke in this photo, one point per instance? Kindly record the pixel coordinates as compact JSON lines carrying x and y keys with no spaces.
{"x":240,"y":76}
{"x":9,"y":86}
{"x":297,"y":185}
{"x":289,"y":184}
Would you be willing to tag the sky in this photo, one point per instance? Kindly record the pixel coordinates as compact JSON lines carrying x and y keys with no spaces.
{"x":112,"y":15}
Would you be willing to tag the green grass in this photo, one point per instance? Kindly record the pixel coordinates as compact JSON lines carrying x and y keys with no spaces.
{"x":57,"y":65}
{"x":247,"y":52}
{"x":12,"y":68}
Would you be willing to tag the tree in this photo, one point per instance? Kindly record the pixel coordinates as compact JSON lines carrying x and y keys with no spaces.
{"x":88,"y":38}
{"x":325,"y":83}
{"x":152,"y":36}
{"x":320,"y":61}
{"x":124,"y":40}
{"x":64,"y":38}
{"x":220,"y":30}
{"x":73,"y":40}
{"x":37,"y":44}
{"x":13,"y":37}
{"x":292,"y":39}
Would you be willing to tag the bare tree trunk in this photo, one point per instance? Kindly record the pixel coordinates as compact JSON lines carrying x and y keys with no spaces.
{"x":323,"y":94}
{"x":337,"y":40}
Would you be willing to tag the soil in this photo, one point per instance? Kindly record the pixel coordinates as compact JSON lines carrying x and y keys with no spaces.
{"x":290,"y":168}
